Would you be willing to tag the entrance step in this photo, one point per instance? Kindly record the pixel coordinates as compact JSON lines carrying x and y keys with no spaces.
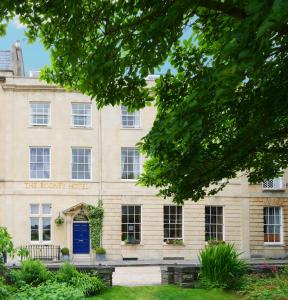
{"x":82,"y":259}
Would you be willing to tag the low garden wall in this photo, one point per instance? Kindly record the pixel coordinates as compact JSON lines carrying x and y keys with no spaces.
{"x":187,"y":275}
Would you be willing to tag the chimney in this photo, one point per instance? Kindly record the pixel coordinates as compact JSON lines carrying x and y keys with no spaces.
{"x":17,"y":59}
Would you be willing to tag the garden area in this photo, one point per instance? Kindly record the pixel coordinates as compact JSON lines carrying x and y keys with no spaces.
{"x":223,"y":275}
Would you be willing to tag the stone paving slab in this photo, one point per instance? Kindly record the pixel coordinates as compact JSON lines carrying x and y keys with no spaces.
{"x":137,"y":276}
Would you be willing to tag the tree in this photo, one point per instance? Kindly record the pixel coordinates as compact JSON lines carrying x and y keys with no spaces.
{"x":222,"y":110}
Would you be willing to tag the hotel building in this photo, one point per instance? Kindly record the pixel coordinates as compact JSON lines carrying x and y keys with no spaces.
{"x":59,"y":152}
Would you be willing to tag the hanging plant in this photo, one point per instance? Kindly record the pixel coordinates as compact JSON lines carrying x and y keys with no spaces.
{"x":59,"y":220}
{"x":95,"y":216}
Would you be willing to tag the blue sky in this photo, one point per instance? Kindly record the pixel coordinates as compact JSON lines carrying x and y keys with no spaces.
{"x":35,"y":56}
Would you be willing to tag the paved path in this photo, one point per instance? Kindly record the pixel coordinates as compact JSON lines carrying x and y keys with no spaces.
{"x":133,"y":276}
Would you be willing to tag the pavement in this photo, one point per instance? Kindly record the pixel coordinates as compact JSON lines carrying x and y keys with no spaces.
{"x":137,"y":276}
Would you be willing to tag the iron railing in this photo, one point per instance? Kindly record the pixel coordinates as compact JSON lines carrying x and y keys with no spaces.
{"x":44,"y":252}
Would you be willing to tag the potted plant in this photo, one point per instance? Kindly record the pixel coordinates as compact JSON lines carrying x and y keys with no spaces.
{"x":175,"y":242}
{"x":65,"y":254}
{"x":100,"y":254}
{"x":59,"y":220}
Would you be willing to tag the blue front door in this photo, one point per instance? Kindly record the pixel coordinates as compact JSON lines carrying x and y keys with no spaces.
{"x":81,"y":238}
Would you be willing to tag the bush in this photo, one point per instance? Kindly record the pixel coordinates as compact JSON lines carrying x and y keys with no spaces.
{"x":50,"y":291}
{"x":221,"y":266}
{"x":66,"y":273}
{"x":4,"y":291}
{"x":100,"y":250}
{"x":32,"y":272}
{"x":65,"y":251}
{"x":89,"y":285}
{"x":265,"y":287}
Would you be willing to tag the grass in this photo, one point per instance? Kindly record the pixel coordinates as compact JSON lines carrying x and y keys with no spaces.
{"x":163,"y":293}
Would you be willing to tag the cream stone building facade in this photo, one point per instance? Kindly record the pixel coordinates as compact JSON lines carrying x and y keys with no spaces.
{"x":59,"y":152}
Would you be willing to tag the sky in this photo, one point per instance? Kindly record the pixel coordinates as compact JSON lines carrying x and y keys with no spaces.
{"x":35,"y":56}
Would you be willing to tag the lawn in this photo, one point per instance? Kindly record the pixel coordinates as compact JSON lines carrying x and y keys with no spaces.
{"x":163,"y":293}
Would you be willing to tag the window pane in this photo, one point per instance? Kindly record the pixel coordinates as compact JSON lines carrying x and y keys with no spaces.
{"x":272,"y":224}
{"x":130,"y":163}
{"x":129,"y":119}
{"x":39,"y":113}
{"x":131,"y":222}
{"x":46,"y":226}
{"x":81,"y":114}
{"x":213,"y":223}
{"x":40,"y":163}
{"x":34,"y":209}
{"x":81,"y":163}
{"x":46,"y":209}
{"x":34,"y":229}
{"x":172,"y":222}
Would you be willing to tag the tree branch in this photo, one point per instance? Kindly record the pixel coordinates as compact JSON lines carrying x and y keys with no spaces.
{"x":223,"y":7}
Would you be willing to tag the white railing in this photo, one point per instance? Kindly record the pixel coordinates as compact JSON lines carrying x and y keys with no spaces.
{"x":275,"y":184}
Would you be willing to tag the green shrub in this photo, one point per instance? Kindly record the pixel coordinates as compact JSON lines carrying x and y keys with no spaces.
{"x":4,"y":291}
{"x":221,"y":266}
{"x":65,"y":251}
{"x":88,"y":284}
{"x":50,"y":291}
{"x":66,"y":273}
{"x":265,"y":287}
{"x":100,"y":250}
{"x":32,"y":272}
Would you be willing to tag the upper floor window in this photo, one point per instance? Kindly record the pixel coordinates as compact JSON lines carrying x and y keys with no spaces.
{"x":214,"y":223}
{"x":39,"y":113}
{"x":40,"y":222}
{"x":274,"y":184}
{"x":39,"y":162}
{"x":129,"y":119}
{"x":81,"y":114}
{"x":130,"y":163}
{"x":131,"y":223}
{"x":272,"y":225}
{"x":81,"y":163}
{"x":172,"y":222}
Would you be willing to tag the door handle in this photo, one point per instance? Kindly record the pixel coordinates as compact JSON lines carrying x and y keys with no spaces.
{"x":81,"y":240}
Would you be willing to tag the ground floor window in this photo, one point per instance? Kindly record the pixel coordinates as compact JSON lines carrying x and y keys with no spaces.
{"x":131,"y":223}
{"x":172,"y":222}
{"x":214,"y":223}
{"x":272,"y":225}
{"x":40,"y":222}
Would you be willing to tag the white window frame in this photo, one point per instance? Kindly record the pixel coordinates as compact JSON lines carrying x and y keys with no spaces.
{"x":39,"y":179}
{"x":141,"y":220}
{"x":40,"y":217}
{"x":72,"y":115}
{"x":223,"y":222}
{"x":165,"y":239}
{"x":135,"y":114}
{"x":140,"y":165}
{"x":91,"y":163}
{"x":281,"y":226}
{"x":30,"y":114}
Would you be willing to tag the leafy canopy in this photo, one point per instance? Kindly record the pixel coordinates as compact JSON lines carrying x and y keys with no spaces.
{"x":223,"y":110}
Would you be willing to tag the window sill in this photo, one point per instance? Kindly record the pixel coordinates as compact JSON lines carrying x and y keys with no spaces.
{"x":40,"y":126}
{"x":81,"y":180}
{"x":40,"y":179}
{"x":173,"y":245}
{"x":131,"y":244}
{"x":131,"y":128}
{"x":129,"y":180}
{"x":274,"y":245}
{"x":82,"y":127}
